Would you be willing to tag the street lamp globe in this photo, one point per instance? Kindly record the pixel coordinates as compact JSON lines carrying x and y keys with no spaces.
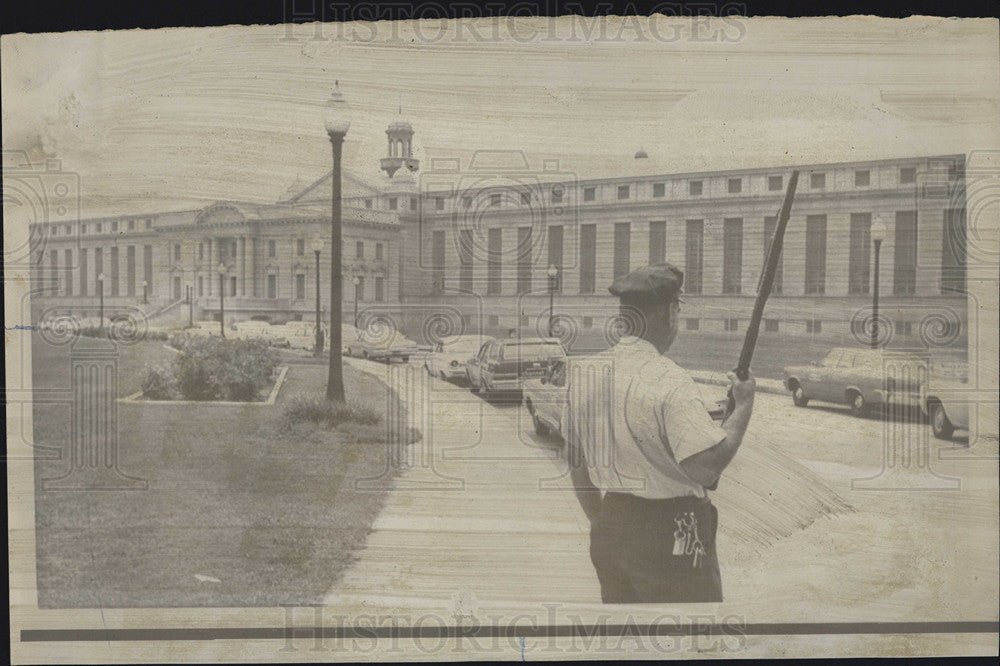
{"x":316,"y":244}
{"x":553,"y":271}
{"x":336,"y":114}
{"x":356,"y":280}
{"x":878,"y":230}
{"x":144,"y":284}
{"x":100,"y":278}
{"x":221,"y":269}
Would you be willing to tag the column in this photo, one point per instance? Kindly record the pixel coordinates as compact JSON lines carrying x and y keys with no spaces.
{"x":838,"y":244}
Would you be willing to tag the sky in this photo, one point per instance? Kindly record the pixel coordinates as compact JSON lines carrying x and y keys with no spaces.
{"x":151,"y":119}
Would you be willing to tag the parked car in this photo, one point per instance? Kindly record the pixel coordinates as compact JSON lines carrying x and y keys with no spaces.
{"x":202,"y":327}
{"x":300,"y":334}
{"x":945,"y":401}
{"x":501,"y":365}
{"x":545,"y":398}
{"x":259,"y":330}
{"x":450,"y":357}
{"x":384,"y":346}
{"x":857,"y":378}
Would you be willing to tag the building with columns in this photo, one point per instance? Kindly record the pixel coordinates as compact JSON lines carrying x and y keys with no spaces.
{"x":474,"y":245}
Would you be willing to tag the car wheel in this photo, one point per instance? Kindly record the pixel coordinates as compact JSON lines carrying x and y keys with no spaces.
{"x":941,"y":425}
{"x":799,"y":397}
{"x":858,"y":405}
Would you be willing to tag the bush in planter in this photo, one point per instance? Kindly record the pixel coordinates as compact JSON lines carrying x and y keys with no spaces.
{"x":159,"y":383}
{"x":210,"y":368}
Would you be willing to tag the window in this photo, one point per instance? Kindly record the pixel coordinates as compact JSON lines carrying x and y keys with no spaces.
{"x":300,"y":247}
{"x":859,"y":253}
{"x":588,"y":322}
{"x":98,"y":229}
{"x":300,"y":286}
{"x":589,"y":193}
{"x":393,"y":203}
{"x":201,"y":251}
{"x":622,"y":248}
{"x":525,"y":198}
{"x":131,"y":225}
{"x":817,"y":181}
{"x":814,"y":326}
{"x":557,"y":194}
{"x":694,"y":247}
{"x":466,"y":202}
{"x":359,"y":249}
{"x":953,"y":252}
{"x":83,"y":228}
{"x":270,"y":248}
{"x":494,"y":200}
{"x":54,"y":267}
{"x":232,"y":249}
{"x":130,"y":270}
{"x":413,"y":203}
{"x":735,"y":185}
{"x":437,"y":261}
{"x":904,"y":328}
{"x":272,"y":286}
{"x":379,"y":289}
{"x":956,"y":171}
{"x":732,"y":255}
{"x":83,"y":271}
{"x":147,"y":266}
{"x":494,"y":258}
{"x":465,"y":245}
{"x":149,"y":223}
{"x":438,"y":203}
{"x":177,"y":251}
{"x":368,"y":203}
{"x":556,"y":253}
{"x":815,"y":254}
{"x":201,"y":285}
{"x":694,"y":188}
{"x":770,"y":325}
{"x":68,"y":257}
{"x":523,"y":260}
{"x":770,"y":224}
{"x":904,"y":274}
{"x":907,"y":175}
{"x":232,"y":285}
{"x":775,"y":183}
{"x":659,"y":189}
{"x":588,"y":258}
{"x":379,"y":251}
{"x":862,"y":178}
{"x":732,"y":324}
{"x":175,"y":292}
{"x":692,"y":324}
{"x":114,"y":226}
{"x":623,"y":191}
{"x":114,"y":270}
{"x":657,"y":242}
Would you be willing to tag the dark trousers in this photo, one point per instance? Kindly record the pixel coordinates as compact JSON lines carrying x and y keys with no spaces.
{"x":656,"y":551}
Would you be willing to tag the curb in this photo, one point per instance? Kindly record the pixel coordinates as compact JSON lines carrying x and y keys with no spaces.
{"x":764,"y":384}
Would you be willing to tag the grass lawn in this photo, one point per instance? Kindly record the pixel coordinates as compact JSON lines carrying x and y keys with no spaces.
{"x":267,"y":507}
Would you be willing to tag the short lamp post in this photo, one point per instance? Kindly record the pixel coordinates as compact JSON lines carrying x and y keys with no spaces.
{"x":878,"y":235}
{"x":100,"y":291}
{"x":553,"y":273}
{"x":145,"y":292}
{"x":222,"y":299}
{"x":356,"y":282}
{"x":336,"y":120}
{"x":316,"y":245}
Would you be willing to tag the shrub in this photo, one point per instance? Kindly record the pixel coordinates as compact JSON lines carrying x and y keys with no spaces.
{"x":210,"y":368}
{"x":328,"y":414}
{"x":158,"y":383}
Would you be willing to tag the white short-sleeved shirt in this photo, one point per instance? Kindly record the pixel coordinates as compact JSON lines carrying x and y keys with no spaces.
{"x":636,"y":415}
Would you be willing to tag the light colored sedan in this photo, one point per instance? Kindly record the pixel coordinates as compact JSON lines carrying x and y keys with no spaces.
{"x":450,"y":357}
{"x":386,"y":345}
{"x":300,"y":334}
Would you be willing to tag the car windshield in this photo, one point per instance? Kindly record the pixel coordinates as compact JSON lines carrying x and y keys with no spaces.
{"x":463,"y":346}
{"x":532,"y":350}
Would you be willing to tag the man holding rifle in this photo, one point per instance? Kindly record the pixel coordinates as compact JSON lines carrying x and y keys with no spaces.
{"x":643,"y":451}
{"x":647,"y":442}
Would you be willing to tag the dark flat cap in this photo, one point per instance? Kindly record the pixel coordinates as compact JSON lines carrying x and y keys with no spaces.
{"x":655,"y":282}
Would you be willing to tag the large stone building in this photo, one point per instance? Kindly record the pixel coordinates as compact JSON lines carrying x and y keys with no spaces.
{"x":471,"y":247}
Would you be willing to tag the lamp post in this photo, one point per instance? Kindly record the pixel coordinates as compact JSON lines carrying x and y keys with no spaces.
{"x":553,"y":277}
{"x":336,"y":120}
{"x":316,"y":245}
{"x":222,"y":299}
{"x":356,"y":280}
{"x":100,"y":291}
{"x":145,"y":292}
{"x":877,"y":234}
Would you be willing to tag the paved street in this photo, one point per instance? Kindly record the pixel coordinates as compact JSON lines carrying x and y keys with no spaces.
{"x":484,"y":514}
